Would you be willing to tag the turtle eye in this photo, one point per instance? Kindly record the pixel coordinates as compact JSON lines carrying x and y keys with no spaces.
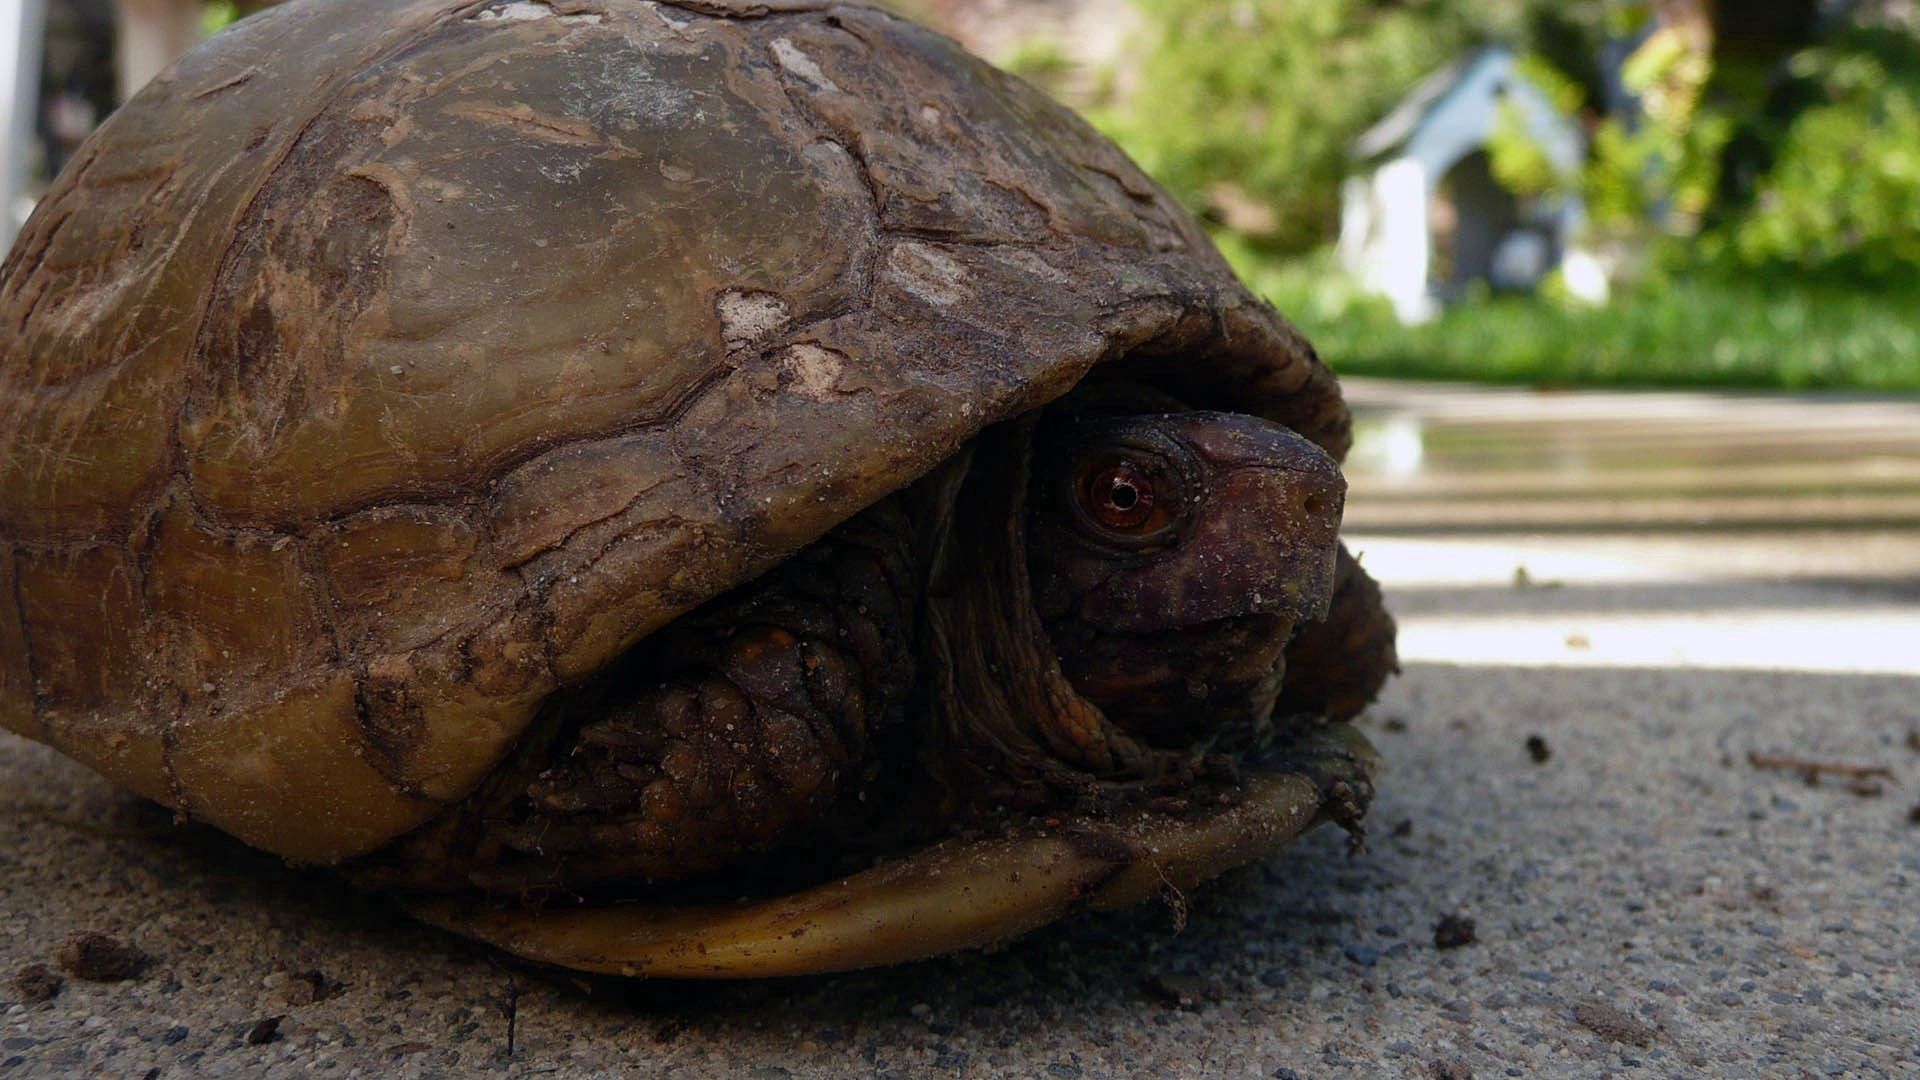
{"x":1124,"y":498}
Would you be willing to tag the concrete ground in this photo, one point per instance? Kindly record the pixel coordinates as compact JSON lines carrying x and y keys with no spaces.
{"x":1609,"y":602}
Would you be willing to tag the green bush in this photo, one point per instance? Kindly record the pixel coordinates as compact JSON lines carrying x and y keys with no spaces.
{"x":1842,"y":199}
{"x":1257,"y":101}
{"x":1810,"y":283}
{"x":1691,"y":328}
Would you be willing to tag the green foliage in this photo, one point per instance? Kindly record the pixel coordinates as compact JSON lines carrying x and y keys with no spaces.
{"x":1616,"y":182}
{"x":1655,"y":175}
{"x":1562,"y":89}
{"x":1517,"y":159}
{"x":1268,"y":94}
{"x":1810,"y":283}
{"x":217,"y":16}
{"x":1666,"y":167}
{"x":1843,"y":197}
{"x":1041,"y":61}
{"x":1693,"y":328}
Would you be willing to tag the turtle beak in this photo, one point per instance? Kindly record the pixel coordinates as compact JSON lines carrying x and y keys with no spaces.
{"x":1277,"y":509}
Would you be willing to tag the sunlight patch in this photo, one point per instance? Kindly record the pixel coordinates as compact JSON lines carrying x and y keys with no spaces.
{"x":1862,"y":640}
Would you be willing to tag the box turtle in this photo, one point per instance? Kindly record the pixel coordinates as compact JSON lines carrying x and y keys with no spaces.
{"x":578,"y":464}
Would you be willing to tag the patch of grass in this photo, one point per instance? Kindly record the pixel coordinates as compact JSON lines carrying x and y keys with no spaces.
{"x":1678,"y":329}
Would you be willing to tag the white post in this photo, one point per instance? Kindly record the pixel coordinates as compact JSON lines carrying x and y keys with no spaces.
{"x":1405,"y":250}
{"x":152,"y":35}
{"x":22,"y":26}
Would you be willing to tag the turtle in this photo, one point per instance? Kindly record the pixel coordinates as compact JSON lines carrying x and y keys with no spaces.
{"x":674,"y":488}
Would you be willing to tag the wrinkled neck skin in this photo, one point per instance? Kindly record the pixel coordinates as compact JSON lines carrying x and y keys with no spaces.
{"x":1070,"y":656}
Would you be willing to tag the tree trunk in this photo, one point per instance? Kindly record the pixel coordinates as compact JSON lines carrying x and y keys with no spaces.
{"x":1743,"y":33}
{"x":1763,"y":31}
{"x":21,"y":25}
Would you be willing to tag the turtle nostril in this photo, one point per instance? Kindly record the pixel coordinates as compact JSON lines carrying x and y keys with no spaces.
{"x":1315,"y":504}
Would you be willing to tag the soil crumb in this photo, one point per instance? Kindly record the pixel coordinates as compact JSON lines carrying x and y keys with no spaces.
{"x":36,"y":983}
{"x":1454,"y":931}
{"x":98,"y":957}
{"x":264,"y":1031}
{"x":310,"y":987}
{"x":1538,"y":750}
{"x":1179,"y":991}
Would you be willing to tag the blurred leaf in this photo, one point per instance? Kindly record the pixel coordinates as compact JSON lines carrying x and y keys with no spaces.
{"x":1842,"y":199}
{"x":1519,"y":162}
{"x":217,"y":16}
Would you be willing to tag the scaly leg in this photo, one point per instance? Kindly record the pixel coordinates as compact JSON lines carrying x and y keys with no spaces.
{"x":741,"y":727}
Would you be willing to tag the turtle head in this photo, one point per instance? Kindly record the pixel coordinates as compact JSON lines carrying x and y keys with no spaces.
{"x":1172,"y":555}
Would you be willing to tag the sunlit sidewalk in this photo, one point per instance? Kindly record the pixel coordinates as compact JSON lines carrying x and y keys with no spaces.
{"x":1739,"y":531}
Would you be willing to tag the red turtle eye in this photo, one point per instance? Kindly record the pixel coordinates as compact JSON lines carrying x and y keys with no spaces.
{"x":1121,"y":497}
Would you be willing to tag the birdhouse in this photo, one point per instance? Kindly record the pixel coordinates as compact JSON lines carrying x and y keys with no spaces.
{"x":1424,"y":219}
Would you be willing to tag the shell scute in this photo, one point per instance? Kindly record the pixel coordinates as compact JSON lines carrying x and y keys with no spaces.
{"x":507,"y":265}
{"x":80,"y":612}
{"x":106,"y":281}
{"x":290,"y":775}
{"x":398,"y":575}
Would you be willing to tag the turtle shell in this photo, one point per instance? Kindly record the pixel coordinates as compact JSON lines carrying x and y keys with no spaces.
{"x":384,"y":367}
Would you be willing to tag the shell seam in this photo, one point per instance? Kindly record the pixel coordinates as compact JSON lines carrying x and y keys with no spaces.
{"x":36,"y":700}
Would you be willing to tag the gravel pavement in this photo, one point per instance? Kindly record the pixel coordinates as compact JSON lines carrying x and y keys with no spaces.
{"x":1568,"y":765}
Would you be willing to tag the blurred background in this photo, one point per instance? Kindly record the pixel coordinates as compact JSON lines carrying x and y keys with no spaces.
{"x":1547,"y":191}
{"x":1541,"y":191}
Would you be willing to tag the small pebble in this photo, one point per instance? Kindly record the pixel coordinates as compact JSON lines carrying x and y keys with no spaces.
{"x":264,"y":1031}
{"x":309,"y":987}
{"x":1454,"y":931}
{"x":1538,"y":750}
{"x":1610,"y":1023}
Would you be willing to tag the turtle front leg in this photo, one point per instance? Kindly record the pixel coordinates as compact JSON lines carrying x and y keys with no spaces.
{"x":1335,"y":667}
{"x":742,"y":727}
